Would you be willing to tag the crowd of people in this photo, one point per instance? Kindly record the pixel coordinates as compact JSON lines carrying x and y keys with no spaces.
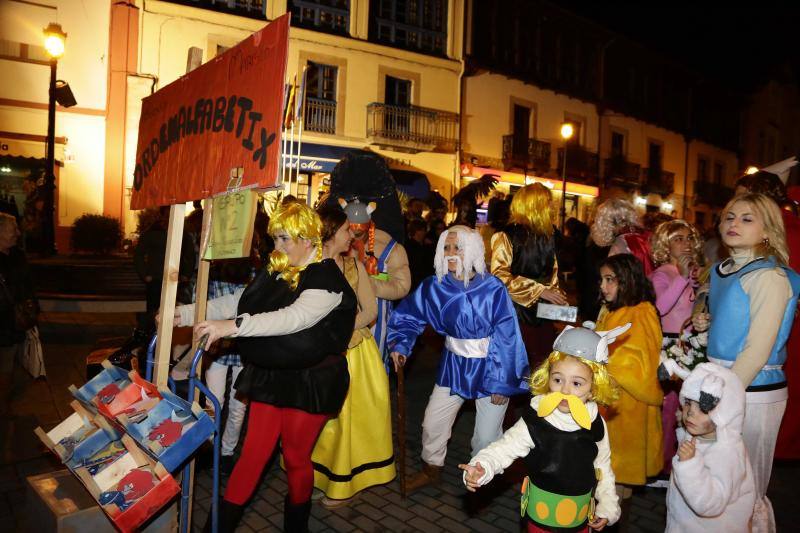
{"x":677,"y":373}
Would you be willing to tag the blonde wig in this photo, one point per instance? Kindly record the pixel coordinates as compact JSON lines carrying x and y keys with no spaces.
{"x":604,"y":390}
{"x":659,"y":241}
{"x":770,"y":214}
{"x":612,"y":216}
{"x":300,"y":222}
{"x":471,"y":243}
{"x":531,"y":206}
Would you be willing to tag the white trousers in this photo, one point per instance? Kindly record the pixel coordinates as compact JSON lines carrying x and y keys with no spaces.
{"x":760,"y":433}
{"x":440,"y":414}
{"x":216,"y":376}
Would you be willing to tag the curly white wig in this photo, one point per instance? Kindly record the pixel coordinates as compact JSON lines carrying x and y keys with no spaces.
{"x":471,"y":243}
{"x":612,"y":216}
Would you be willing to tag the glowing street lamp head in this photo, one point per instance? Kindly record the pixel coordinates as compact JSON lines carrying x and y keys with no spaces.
{"x":54,"y":38}
{"x":751,"y":170}
{"x":567,"y":130}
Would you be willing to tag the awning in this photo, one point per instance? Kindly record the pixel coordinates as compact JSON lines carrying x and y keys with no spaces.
{"x":414,"y":184}
{"x":315,"y":157}
{"x":520,"y":180}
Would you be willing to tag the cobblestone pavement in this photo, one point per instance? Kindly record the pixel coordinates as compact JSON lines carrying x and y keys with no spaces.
{"x":440,"y":508}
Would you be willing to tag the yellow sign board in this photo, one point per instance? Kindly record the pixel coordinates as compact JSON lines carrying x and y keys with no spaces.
{"x":232,"y":218}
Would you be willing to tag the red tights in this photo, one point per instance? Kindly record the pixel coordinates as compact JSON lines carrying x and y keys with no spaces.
{"x":298,"y":431}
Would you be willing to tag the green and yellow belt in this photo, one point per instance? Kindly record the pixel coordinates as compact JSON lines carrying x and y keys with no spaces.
{"x":554,"y":510}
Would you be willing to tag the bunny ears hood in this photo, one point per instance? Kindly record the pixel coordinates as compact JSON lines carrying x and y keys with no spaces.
{"x":586,"y":343}
{"x":719,"y":393}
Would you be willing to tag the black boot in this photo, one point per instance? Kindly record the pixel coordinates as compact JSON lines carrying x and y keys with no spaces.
{"x":229,"y":516}
{"x":295,"y":516}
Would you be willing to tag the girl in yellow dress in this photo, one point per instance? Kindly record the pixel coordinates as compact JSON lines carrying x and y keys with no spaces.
{"x":634,"y":421}
{"x":354,"y":450}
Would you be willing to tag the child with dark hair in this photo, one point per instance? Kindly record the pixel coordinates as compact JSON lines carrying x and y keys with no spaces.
{"x":634,"y":421}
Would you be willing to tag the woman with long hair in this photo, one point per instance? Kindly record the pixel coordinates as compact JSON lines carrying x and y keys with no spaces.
{"x":752,"y":306}
{"x":524,"y":258}
{"x":354,"y":450}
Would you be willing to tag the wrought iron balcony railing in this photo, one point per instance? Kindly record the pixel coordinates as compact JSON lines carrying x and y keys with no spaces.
{"x":582,"y":165}
{"x":619,"y":172}
{"x":412,"y":128}
{"x":531,"y":155}
{"x":320,"y":115}
{"x":658,"y":181}
{"x":712,"y":194}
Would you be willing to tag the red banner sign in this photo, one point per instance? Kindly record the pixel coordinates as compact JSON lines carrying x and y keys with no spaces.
{"x":226,"y":114}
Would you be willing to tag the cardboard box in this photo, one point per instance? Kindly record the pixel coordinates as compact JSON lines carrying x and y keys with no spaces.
{"x":171,"y":431}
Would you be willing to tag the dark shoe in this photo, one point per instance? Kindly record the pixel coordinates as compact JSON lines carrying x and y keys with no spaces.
{"x":226,"y":464}
{"x":229,"y":516}
{"x":429,"y":475}
{"x":295,"y":516}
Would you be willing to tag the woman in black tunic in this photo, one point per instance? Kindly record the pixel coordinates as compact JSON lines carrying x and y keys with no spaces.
{"x":292,"y":324}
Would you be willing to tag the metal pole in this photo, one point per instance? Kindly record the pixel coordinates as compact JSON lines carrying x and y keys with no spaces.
{"x":564,"y":190}
{"x":48,"y":218}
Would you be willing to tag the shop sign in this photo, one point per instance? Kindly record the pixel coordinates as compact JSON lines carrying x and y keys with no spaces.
{"x":224,"y":114}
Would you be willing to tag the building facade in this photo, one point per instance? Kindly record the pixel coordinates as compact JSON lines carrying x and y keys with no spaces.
{"x":645,"y":128}
{"x":380,"y":75}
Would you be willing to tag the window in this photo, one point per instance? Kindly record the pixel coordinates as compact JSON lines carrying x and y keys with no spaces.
{"x":522,"y":121}
{"x":417,"y":25}
{"x":398,"y":91}
{"x":617,"y":144}
{"x":330,"y":16}
{"x":654,"y":157}
{"x":719,"y":172}
{"x":702,"y":169}
{"x":245,"y":8}
{"x":320,"y":107}
{"x":397,"y":94}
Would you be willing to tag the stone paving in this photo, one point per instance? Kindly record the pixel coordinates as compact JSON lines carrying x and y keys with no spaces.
{"x":440,"y":508}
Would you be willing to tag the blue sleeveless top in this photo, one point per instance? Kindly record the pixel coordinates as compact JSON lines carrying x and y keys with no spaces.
{"x":729,"y":305}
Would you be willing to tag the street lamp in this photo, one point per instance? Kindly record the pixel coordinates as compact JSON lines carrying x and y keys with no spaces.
{"x":54,"y":39}
{"x":567,"y":130}
{"x":751,"y":170}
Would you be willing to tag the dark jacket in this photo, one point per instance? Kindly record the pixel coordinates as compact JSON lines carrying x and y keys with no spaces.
{"x":19,"y":286}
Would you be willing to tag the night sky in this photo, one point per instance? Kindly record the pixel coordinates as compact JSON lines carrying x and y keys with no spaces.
{"x":740,"y":46}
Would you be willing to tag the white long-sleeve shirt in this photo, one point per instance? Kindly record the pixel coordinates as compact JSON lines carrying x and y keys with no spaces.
{"x":516,"y":442}
{"x":310,"y":307}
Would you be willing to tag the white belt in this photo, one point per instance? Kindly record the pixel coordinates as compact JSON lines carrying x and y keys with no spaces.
{"x":472,"y":348}
{"x":728,"y":364}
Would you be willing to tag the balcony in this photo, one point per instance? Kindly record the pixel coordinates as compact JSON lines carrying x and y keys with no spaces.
{"x":411,"y":128}
{"x":535,"y":156}
{"x":582,"y":165}
{"x":244,"y":8}
{"x":658,"y":181}
{"x":619,"y":172}
{"x":320,"y":115}
{"x":711,"y":194}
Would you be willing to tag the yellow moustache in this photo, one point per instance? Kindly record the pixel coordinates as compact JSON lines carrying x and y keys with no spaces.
{"x":577,"y":408}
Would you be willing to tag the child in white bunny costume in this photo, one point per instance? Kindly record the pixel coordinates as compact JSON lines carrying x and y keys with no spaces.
{"x":711,"y":486}
{"x":562,"y":438}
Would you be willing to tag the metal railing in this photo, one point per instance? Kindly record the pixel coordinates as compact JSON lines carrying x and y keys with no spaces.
{"x":320,"y":115}
{"x":620,"y":172}
{"x":656,"y":180}
{"x":533,"y":155}
{"x":582,"y":165}
{"x":712,"y":194}
{"x":412,"y":127}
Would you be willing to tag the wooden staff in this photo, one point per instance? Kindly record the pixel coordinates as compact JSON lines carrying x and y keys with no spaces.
{"x":401,"y":429}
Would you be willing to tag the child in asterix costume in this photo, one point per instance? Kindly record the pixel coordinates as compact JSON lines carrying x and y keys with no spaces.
{"x":484,"y":357}
{"x":562,"y":438}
